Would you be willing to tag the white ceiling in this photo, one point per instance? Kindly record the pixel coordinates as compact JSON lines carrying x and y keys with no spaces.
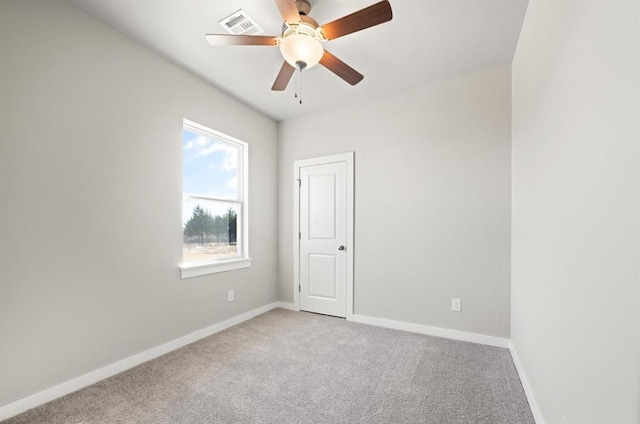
{"x":427,"y":40}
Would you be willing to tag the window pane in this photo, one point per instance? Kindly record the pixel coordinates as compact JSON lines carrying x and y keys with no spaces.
{"x":210,"y":229}
{"x":210,"y":166}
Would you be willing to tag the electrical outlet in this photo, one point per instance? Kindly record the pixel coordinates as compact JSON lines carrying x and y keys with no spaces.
{"x":456,"y":305}
{"x":230,"y":296}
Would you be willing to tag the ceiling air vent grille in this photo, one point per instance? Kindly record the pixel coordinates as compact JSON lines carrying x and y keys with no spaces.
{"x":239,"y":23}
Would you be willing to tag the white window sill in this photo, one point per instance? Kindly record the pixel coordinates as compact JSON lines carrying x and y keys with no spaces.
{"x":198,"y":269}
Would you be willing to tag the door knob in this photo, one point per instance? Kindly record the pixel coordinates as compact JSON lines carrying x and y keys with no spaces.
{"x":341,"y":248}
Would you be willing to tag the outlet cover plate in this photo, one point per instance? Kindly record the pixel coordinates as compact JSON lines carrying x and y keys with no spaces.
{"x":456,"y":305}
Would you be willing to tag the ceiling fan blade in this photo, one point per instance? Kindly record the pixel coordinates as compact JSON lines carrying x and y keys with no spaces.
{"x":340,"y":68}
{"x":240,"y":40}
{"x":369,"y":16}
{"x":283,"y":78}
{"x":288,"y":10}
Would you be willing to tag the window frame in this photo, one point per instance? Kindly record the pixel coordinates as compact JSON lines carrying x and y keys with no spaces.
{"x":243,"y":260}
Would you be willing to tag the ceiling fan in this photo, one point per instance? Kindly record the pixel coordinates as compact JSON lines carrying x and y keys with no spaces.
{"x":300,"y":43}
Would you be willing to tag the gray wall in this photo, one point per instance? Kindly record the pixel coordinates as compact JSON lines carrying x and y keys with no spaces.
{"x":90,"y":170}
{"x":576,"y":195}
{"x":432,"y":200}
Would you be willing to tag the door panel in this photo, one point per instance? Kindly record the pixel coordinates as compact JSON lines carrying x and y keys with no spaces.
{"x":322,"y":206}
{"x":322,"y":276}
{"x":323,"y":229}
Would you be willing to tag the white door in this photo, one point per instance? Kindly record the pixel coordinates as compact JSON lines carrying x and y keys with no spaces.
{"x":324,"y":250}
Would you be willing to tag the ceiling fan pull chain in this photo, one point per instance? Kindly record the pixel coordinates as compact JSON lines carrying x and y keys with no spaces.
{"x":300,"y":85}
{"x":298,"y":93}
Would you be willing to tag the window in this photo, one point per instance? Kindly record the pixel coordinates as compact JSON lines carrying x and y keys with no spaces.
{"x":214,"y":206}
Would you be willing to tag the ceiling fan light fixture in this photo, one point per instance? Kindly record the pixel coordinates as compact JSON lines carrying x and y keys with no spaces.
{"x":303,"y":48}
{"x":301,"y":43}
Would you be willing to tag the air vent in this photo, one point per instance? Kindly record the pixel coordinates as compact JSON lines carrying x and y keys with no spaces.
{"x":239,"y":23}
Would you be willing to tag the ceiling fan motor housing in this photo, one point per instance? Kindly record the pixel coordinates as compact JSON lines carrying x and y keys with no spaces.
{"x":308,"y":20}
{"x":303,"y":7}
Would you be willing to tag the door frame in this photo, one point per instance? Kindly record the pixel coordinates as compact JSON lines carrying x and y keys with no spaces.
{"x":347,"y":157}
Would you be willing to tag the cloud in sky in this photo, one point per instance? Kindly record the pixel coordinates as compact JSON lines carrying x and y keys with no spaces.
{"x":210,"y":166}
{"x":200,"y":141}
{"x":205,"y":146}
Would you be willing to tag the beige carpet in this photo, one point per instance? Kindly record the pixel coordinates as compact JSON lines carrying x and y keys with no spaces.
{"x":296,"y":367}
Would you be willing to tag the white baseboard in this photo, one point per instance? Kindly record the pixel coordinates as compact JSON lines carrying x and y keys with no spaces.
{"x":14,"y":408}
{"x":286,"y":305}
{"x":432,"y":331}
{"x":533,"y":404}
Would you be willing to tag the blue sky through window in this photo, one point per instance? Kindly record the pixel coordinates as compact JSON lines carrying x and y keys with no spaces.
{"x":210,"y":168}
